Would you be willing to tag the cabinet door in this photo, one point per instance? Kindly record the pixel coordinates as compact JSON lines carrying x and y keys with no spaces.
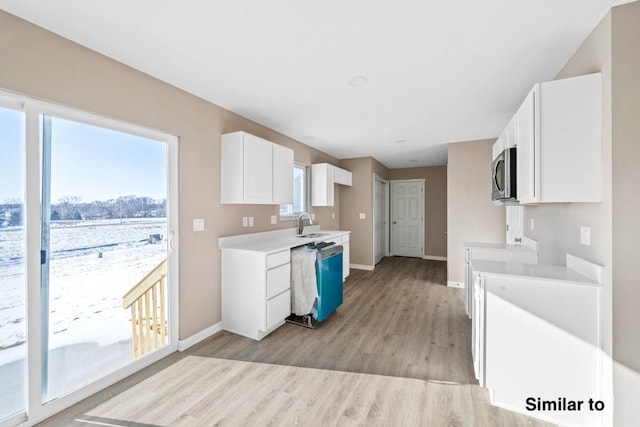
{"x":322,"y":179}
{"x":345,"y":259}
{"x":526,"y":153}
{"x":282,"y":174}
{"x":258,"y":167}
{"x":342,"y":176}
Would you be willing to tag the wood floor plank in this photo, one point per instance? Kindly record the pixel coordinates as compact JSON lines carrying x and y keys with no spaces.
{"x":396,"y":353}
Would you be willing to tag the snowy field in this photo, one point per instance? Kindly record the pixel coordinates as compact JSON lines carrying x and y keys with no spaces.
{"x":92,"y":265}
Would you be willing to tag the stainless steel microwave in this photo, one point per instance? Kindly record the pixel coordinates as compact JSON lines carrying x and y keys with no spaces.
{"x":503,"y":179}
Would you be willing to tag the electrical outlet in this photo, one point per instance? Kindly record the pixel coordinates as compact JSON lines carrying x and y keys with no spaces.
{"x":198,"y":225}
{"x":274,"y":219}
{"x":313,"y":217}
{"x":250,"y":221}
{"x":245,"y":221}
{"x":532,"y":224}
{"x":362,"y":215}
{"x":333,"y":215}
{"x":585,"y":235}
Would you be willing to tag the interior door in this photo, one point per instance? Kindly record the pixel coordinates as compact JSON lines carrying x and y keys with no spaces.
{"x":407,"y":218}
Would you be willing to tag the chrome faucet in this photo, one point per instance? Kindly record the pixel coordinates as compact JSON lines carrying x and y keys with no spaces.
{"x":301,"y":223}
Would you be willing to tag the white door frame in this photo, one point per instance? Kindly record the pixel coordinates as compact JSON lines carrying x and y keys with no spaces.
{"x":387,"y":252}
{"x":423,"y":212}
{"x":33,"y":109}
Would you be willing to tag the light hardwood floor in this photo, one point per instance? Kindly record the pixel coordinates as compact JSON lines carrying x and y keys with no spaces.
{"x":396,"y":353}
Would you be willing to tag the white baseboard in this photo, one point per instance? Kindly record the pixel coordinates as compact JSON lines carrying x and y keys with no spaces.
{"x":435,"y":258}
{"x":199,"y":336}
{"x":362,"y":267}
{"x":452,"y":284}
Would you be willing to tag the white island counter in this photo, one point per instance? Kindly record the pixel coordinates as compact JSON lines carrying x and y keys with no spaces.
{"x":537,"y":337}
{"x":256,"y":277}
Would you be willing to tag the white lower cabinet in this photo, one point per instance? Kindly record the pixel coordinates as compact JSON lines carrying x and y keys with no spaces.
{"x":345,"y":256}
{"x":256,"y":291}
{"x":491,"y":252}
{"x":536,"y":340}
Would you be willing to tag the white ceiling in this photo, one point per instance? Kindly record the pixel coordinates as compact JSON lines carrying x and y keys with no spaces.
{"x":439,"y":71}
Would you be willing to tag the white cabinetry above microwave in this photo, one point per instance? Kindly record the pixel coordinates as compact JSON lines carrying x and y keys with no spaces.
{"x":558,"y":131}
{"x":255,"y":171}
{"x":323,"y":177}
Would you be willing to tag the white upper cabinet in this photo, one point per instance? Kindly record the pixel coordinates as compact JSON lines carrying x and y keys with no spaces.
{"x":255,"y":171}
{"x":506,"y":140}
{"x":323,"y":177}
{"x":322,"y":180}
{"x":559,"y":140}
{"x":341,"y":176}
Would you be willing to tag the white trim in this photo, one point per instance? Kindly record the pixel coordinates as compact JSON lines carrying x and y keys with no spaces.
{"x":453,"y":284}
{"x":378,"y":178}
{"x":362,"y":267}
{"x":435,"y":257}
{"x":199,"y":336}
{"x":15,"y":420}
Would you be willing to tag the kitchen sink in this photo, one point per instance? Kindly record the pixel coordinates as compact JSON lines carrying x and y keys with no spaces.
{"x":313,"y":235}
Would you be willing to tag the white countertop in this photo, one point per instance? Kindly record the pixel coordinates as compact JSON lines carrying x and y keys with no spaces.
{"x":531,"y":271}
{"x":277,"y":240}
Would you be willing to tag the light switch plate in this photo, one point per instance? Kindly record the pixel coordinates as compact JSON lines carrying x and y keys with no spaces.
{"x":585,"y":235}
{"x":245,"y":221}
{"x":362,"y":215}
{"x":313,"y":217}
{"x":333,"y":215}
{"x":532,"y":225}
{"x":274,"y":219}
{"x":198,"y":224}
{"x":250,"y":221}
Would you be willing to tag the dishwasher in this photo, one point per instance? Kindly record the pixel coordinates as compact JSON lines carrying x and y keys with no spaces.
{"x":328,"y":266}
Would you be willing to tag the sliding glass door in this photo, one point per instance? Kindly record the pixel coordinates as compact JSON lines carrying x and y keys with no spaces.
{"x":13,"y":317}
{"x":104,"y":228}
{"x":88,"y":262}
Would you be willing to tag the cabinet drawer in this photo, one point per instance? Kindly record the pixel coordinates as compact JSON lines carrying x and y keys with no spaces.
{"x":278,"y":280}
{"x":278,"y":258}
{"x":278,"y":308}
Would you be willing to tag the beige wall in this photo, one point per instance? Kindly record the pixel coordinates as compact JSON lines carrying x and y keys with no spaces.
{"x":435,"y":205}
{"x":40,"y":64}
{"x":626,"y":210}
{"x":359,"y":199}
{"x":471,"y":216}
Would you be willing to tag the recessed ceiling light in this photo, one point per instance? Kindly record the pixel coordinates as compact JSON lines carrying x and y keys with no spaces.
{"x":401,"y":141}
{"x":358,"y":81}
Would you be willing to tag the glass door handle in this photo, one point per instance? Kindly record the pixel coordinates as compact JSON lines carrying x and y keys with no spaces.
{"x":43,"y":257}
{"x":172,"y":240}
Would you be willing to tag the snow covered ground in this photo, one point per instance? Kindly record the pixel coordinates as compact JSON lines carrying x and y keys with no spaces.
{"x":92,"y":265}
